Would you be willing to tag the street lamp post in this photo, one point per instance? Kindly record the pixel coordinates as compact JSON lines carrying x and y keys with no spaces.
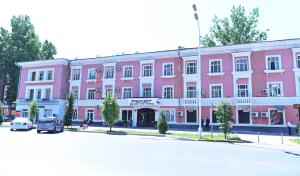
{"x":199,"y":68}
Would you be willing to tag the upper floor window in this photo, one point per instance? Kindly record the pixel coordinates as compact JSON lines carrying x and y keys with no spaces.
{"x":243,"y":90}
{"x":41,"y":75}
{"x":75,"y":74}
{"x":75,"y":92}
{"x":108,"y":92}
{"x":191,"y":68}
{"x":91,"y":94}
{"x":147,"y":92}
{"x":39,"y":94}
{"x":168,"y":69}
{"x":24,"y":113}
{"x":273,"y":63}
{"x":216,"y":91}
{"x":49,"y":75}
{"x":298,"y":61}
{"x":241,"y":65}
{"x":128,"y":72}
{"x":127,"y":91}
{"x":168,"y":92}
{"x":31,"y":94}
{"x":92,"y":73}
{"x":215,"y":66}
{"x":191,"y":92}
{"x":33,"y":76}
{"x":109,"y":72}
{"x":48,"y":93}
{"x":275,"y":89}
{"x":147,"y":70}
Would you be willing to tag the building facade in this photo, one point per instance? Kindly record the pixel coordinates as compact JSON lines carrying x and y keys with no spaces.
{"x":261,"y":81}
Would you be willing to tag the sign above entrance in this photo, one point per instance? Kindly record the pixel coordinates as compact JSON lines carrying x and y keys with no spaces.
{"x":144,"y":102}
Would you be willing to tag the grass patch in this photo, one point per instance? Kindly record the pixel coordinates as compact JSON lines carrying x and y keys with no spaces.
{"x":5,"y":124}
{"x":208,"y":137}
{"x":296,"y":141}
{"x":128,"y":131}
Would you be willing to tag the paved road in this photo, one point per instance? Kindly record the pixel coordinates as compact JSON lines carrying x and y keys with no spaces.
{"x":87,"y":154}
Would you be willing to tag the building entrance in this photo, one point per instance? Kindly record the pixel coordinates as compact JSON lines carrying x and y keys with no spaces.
{"x":146,"y":117}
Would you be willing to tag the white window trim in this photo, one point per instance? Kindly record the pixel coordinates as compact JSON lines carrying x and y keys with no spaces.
{"x":269,"y":117}
{"x":237,"y":90}
{"x":80,"y":73}
{"x":163,"y":70}
{"x":123,"y":73}
{"x":152,"y":92}
{"x":175,"y":114}
{"x":185,"y":115}
{"x":88,"y":75}
{"x":37,"y":75}
{"x":152,"y":69}
{"x":123,"y":91}
{"x":35,"y":88}
{"x":210,"y":89}
{"x":190,"y":61}
{"x":281,"y":86}
{"x":86,"y":112}
{"x":242,"y":58}
{"x":221,"y":73}
{"x":104,"y":75}
{"x":87,"y":93}
{"x":163,"y":91}
{"x":267,"y":71}
{"x":125,"y":109}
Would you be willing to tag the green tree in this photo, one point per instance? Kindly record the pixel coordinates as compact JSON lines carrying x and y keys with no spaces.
{"x":1,"y":114}
{"x":33,"y":111}
{"x":69,"y":111}
{"x":162,"y":124}
{"x":20,"y":45}
{"x":224,"y":117}
{"x":110,"y":110}
{"x":237,"y":29}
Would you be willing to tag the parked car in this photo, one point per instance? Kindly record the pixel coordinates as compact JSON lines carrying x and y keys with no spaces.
{"x":21,"y":123}
{"x":50,"y":124}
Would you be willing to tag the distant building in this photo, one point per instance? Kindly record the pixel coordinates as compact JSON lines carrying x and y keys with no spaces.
{"x":260,"y":80}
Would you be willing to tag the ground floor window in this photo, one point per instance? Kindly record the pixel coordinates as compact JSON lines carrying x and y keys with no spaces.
{"x":244,"y":116}
{"x":276,"y":117}
{"x":74,"y":116}
{"x":90,"y":114}
{"x":24,"y":113}
{"x":191,"y":116}
{"x":126,"y":115}
{"x":169,"y":114}
{"x":214,"y":116}
{"x":47,"y":112}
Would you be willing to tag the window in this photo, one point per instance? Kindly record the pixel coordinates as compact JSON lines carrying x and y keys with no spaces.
{"x":275,"y":89}
{"x":39,"y":94}
{"x":33,"y":75}
{"x":169,"y":114}
{"x":47,"y":112}
{"x":191,"y":116}
{"x":298,"y":61}
{"x":168,"y":92}
{"x":109,"y":72}
{"x":74,"y":116}
{"x":276,"y":117}
{"x":91,"y":94}
{"x":243,"y":90}
{"x":31,"y":94}
{"x":168,"y":69}
{"x":273,"y":63}
{"x":147,"y":92}
{"x":48,"y":93}
{"x":216,"y":91}
{"x":147,"y":70}
{"x":191,"y":68}
{"x":41,"y":75}
{"x":215,"y":66}
{"x":49,"y":75}
{"x":214,"y":116}
{"x":108,"y":91}
{"x":126,"y":115}
{"x":75,"y":92}
{"x":92,"y":74}
{"x":241,"y":65}
{"x":127,"y":73}
{"x":191,"y":92}
{"x":75,"y":74}
{"x":127,"y":92}
{"x":89,"y":115}
{"x":24,"y":113}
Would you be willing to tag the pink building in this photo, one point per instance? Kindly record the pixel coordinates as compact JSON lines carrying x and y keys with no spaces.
{"x":260,"y":80}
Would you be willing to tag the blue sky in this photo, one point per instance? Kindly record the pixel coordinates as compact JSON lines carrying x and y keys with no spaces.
{"x":92,"y":27}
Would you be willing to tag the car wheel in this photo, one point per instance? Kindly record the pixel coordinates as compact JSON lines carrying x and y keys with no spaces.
{"x":54,"y":130}
{"x":38,"y":131}
{"x":11,"y":129}
{"x":62,"y":129}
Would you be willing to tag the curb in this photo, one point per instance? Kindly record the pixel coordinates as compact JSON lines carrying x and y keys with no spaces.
{"x":118,"y":133}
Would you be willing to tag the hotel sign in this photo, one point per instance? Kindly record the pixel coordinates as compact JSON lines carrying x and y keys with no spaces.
{"x":144,"y":102}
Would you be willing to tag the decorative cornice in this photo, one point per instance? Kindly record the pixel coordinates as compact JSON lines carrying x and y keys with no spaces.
{"x":43,"y":63}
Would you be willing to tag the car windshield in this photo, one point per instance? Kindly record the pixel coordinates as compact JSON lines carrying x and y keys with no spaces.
{"x":20,"y":119}
{"x":46,"y":120}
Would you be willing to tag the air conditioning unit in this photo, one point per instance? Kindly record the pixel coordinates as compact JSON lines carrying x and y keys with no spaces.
{"x":117,"y":89}
{"x":264,"y":91}
{"x":179,"y":113}
{"x":99,"y":69}
{"x":264,"y":114}
{"x":118,"y":68}
{"x":202,"y":92}
{"x":98,"y":90}
{"x":254,"y":114}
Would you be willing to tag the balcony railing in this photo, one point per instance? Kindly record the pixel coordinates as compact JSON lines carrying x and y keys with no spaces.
{"x":189,"y":101}
{"x":243,"y":100}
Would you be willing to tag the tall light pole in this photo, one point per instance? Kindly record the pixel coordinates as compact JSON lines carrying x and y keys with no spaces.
{"x":199,"y":69}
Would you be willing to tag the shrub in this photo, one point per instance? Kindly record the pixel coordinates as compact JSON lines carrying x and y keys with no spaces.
{"x":162,"y":124}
